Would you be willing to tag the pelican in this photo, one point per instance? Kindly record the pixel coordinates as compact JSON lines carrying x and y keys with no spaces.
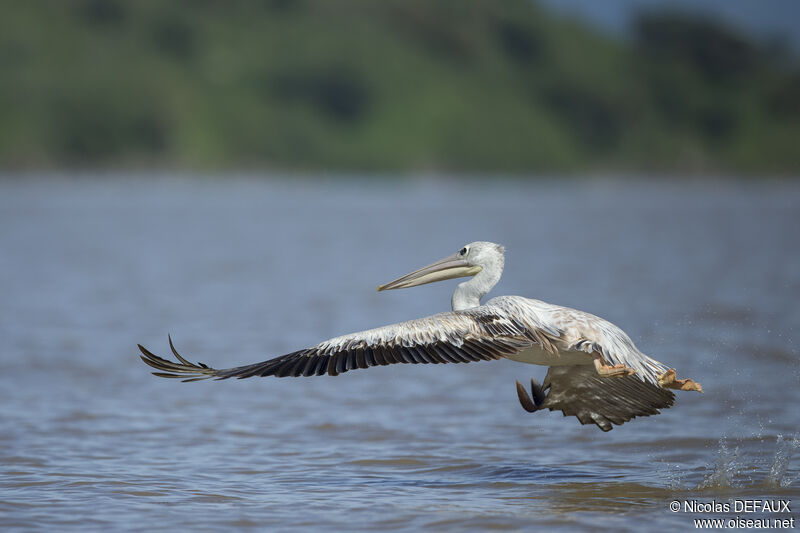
{"x":595,"y":371}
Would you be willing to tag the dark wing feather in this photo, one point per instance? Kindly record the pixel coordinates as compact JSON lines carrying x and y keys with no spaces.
{"x":579,"y":391}
{"x":478,"y":334}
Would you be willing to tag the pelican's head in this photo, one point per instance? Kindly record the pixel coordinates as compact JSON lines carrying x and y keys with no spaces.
{"x":470,"y":260}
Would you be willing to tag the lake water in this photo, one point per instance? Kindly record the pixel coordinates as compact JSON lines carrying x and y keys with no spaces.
{"x":703,"y":276}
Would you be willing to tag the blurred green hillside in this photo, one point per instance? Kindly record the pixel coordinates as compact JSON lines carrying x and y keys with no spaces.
{"x":468,"y":85}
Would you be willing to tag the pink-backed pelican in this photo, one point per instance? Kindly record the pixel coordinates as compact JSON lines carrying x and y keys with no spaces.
{"x":595,"y":372}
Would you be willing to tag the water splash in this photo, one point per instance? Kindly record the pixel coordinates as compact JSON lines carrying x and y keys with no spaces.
{"x":780,"y":465}
{"x":674,"y":475}
{"x":728,"y":469}
{"x":725,"y":470}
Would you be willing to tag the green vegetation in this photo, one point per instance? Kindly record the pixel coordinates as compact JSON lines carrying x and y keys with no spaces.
{"x":467,"y":85}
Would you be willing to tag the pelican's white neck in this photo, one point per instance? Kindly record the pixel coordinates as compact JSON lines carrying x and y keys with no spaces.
{"x":469,"y":293}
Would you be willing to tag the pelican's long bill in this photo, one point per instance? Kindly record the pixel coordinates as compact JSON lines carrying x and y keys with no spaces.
{"x":450,"y":267}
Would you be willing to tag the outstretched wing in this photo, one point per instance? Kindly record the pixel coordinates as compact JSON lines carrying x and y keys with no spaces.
{"x":579,"y":391}
{"x":479,"y":334}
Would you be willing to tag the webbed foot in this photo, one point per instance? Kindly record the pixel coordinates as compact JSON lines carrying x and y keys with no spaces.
{"x":611,"y":371}
{"x":668,"y":380}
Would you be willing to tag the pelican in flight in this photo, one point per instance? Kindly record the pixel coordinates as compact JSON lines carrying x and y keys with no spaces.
{"x":595,"y":372}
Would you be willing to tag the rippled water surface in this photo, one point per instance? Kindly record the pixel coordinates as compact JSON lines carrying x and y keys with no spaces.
{"x":705,"y":277}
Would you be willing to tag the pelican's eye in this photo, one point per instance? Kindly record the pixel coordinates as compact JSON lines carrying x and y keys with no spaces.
{"x":463,"y":251}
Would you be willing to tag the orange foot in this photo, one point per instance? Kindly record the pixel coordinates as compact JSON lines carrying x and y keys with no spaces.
{"x":609,"y":371}
{"x":668,"y":381}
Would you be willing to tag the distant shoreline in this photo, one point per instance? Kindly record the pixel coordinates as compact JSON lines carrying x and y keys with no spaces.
{"x":510,"y":88}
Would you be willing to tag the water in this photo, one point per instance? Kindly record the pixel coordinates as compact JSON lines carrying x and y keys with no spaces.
{"x":704,"y":276}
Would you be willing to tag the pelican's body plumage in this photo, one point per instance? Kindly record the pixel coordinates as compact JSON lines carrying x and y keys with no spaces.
{"x":596,"y":372}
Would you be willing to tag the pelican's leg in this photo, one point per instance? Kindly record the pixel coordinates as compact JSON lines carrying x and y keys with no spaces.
{"x":608,"y":371}
{"x":668,"y":381}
